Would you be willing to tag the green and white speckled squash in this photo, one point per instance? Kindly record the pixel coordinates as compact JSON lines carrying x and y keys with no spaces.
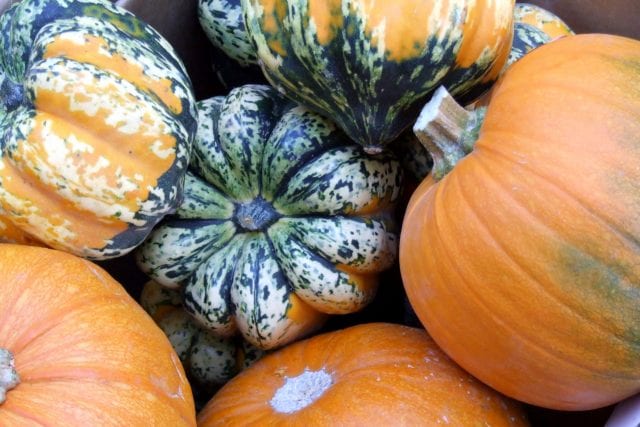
{"x":223,"y":23}
{"x":284,"y":220}
{"x":97,"y":117}
{"x":209,"y":360}
{"x":371,"y":65}
{"x":233,"y":56}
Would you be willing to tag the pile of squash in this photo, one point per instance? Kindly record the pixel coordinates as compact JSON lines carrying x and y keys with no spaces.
{"x":393,"y":213}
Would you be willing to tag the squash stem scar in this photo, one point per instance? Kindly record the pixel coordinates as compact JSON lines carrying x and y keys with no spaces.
{"x":301,"y":391}
{"x":9,"y":377}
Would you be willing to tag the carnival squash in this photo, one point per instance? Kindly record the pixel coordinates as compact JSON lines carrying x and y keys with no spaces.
{"x":77,"y":350}
{"x":209,"y":360}
{"x":533,"y":26}
{"x":523,"y":261}
{"x":370,"y":66}
{"x":377,"y":374}
{"x":97,"y":117}
{"x":284,"y":220}
{"x":542,"y":19}
{"x":233,"y":56}
{"x":223,"y":23}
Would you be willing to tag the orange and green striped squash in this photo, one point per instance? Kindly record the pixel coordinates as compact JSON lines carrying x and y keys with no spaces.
{"x":97,"y":117}
{"x":371,"y":65}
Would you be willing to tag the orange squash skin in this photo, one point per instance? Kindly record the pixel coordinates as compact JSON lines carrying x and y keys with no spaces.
{"x":86,"y":353}
{"x":523,"y":262}
{"x":383,"y":374}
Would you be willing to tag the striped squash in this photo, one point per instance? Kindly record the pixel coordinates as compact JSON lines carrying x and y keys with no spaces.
{"x":284,"y":220}
{"x":97,"y":117}
{"x":533,"y":26}
{"x":223,"y":23}
{"x":233,"y":56}
{"x":209,"y":361}
{"x":371,"y":65}
{"x":541,"y":18}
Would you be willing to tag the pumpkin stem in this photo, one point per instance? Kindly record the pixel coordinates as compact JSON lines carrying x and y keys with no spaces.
{"x":447,"y":130}
{"x":8,"y":375}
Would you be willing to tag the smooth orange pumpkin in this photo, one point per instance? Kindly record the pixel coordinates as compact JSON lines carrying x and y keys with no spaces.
{"x":366,"y":375}
{"x":523,"y":262}
{"x":84,"y":352}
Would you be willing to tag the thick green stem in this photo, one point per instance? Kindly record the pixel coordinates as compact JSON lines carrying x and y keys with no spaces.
{"x":447,"y":130}
{"x":8,"y":375}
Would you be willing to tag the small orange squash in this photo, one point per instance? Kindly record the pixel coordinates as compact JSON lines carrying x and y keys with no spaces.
{"x":369,"y":374}
{"x":523,"y":261}
{"x":76,"y":350}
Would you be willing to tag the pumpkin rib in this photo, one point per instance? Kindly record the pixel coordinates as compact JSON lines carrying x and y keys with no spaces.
{"x":86,"y":403}
{"x":449,"y":255}
{"x":109,"y":384}
{"x":514,"y":332}
{"x":627,"y":237}
{"x":59,"y":319}
{"x":23,"y":415}
{"x":535,"y":282}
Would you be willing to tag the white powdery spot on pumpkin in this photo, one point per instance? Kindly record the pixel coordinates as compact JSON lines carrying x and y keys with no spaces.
{"x":301,"y":391}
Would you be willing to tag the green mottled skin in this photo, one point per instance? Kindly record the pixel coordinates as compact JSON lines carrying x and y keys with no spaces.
{"x":526,"y":38}
{"x":351,"y":79}
{"x":271,"y":209}
{"x":223,"y":23}
{"x":208,"y":359}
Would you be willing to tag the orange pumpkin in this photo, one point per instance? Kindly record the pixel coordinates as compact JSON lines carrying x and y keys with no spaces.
{"x":523,"y":261}
{"x":369,"y":374}
{"x":75,"y":348}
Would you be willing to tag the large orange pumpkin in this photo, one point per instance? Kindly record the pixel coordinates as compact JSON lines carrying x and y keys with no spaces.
{"x":523,"y":262}
{"x":76,"y":350}
{"x":368,"y":375}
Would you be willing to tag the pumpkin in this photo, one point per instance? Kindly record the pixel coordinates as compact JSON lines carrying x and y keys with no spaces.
{"x":533,"y":26}
{"x":368,"y":374}
{"x":521,"y":257}
{"x":209,"y":360}
{"x":370,"y":66}
{"x":97,"y":117}
{"x":284,"y":220}
{"x":78,"y":350}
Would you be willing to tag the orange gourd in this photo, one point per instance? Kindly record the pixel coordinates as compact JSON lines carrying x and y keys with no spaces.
{"x":369,"y":374}
{"x":76,"y":350}
{"x":523,"y":261}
